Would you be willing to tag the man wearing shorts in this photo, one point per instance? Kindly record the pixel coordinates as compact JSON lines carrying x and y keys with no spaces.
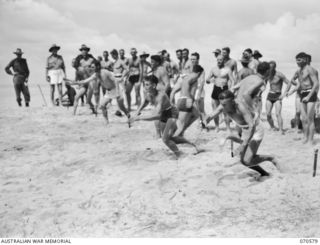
{"x":164,"y":112}
{"x":220,"y":76}
{"x":106,"y":79}
{"x":275,"y":96}
{"x":188,"y":111}
{"x":251,"y":129}
{"x":308,"y":86}
{"x":133,"y":78}
{"x":55,"y":72}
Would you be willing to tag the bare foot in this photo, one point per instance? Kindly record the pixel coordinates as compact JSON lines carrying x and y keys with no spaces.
{"x":277,"y":165}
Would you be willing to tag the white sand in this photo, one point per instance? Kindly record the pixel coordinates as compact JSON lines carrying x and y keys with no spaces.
{"x":71,"y":176}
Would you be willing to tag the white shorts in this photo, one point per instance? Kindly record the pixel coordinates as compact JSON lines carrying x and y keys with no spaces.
{"x":258,"y":133}
{"x":56,"y":76}
{"x":111,"y":94}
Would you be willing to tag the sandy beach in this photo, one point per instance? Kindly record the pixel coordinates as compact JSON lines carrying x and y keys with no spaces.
{"x":73,"y":176}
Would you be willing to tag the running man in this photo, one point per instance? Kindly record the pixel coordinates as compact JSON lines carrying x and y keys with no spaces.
{"x":20,"y":76}
{"x":275,"y":96}
{"x":106,"y":79}
{"x":164,"y":112}
{"x":247,"y":120}
{"x":55,"y":72}
{"x":220,"y":77}
{"x":82,"y":65}
{"x":188,"y":111}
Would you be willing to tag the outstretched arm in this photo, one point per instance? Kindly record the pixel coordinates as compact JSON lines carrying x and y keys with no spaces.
{"x":215,"y":113}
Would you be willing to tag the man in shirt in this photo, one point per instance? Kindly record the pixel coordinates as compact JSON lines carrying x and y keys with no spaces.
{"x":55,"y":72}
{"x":20,"y":76}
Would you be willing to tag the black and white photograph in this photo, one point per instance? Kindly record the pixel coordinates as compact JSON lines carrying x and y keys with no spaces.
{"x":159,"y":119}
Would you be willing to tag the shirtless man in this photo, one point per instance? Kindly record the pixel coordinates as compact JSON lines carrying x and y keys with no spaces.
{"x":179,"y":58}
{"x":200,"y":92}
{"x":161,"y":73}
{"x":123,"y":58}
{"x":106,"y":79}
{"x":55,"y":72}
{"x":82,"y":64}
{"x":164,"y":112}
{"x":106,"y":63}
{"x":120,"y":69}
{"x":246,"y":118}
{"x":245,"y":70}
{"x":257,"y":55}
{"x":308,"y":86}
{"x":228,"y":62}
{"x":188,"y":112}
{"x":186,"y":63}
{"x":144,"y":66}
{"x":253,"y":63}
{"x":163,"y":83}
{"x":220,"y":76}
{"x":133,"y":78}
{"x":275,"y":96}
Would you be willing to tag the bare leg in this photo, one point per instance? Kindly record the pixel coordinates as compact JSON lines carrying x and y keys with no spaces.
{"x":60,"y":93}
{"x":183,"y":118}
{"x":278,"y":106}
{"x":52,"y":93}
{"x":304,"y":119}
{"x":128,"y":88}
{"x":137,"y":88}
{"x":89,"y":96}
{"x":104,"y":104}
{"x":121,"y":106}
{"x":195,"y":114}
{"x":81,"y":92}
{"x":158,"y":129}
{"x":310,"y":114}
{"x":167,"y":136}
{"x":269,"y":107}
{"x":215,"y":104}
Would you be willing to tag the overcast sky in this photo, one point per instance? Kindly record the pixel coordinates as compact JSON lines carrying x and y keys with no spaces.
{"x":279,"y":29}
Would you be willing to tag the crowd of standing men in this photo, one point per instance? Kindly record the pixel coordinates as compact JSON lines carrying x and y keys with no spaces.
{"x":236,"y":92}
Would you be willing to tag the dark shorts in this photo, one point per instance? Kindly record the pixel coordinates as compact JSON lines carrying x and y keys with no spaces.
{"x":273,"y":97}
{"x":134,"y":79}
{"x":182,"y":104}
{"x":217,"y":91}
{"x":168,"y":91}
{"x":305,"y":93}
{"x":168,"y":113}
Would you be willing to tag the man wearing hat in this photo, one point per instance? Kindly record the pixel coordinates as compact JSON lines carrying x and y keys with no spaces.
{"x":55,"y":71}
{"x":217,"y":52}
{"x":82,"y":65}
{"x":257,"y":55}
{"x":245,"y":70}
{"x":20,"y":76}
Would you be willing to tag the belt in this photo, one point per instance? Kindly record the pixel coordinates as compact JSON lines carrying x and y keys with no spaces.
{"x":118,"y":75}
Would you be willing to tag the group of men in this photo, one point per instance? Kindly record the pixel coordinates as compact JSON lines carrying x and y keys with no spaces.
{"x":236,"y":93}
